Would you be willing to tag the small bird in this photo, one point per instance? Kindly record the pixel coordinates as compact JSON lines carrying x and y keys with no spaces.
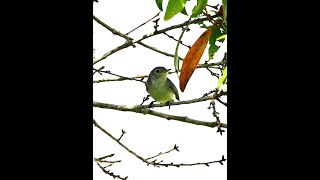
{"x":160,"y":87}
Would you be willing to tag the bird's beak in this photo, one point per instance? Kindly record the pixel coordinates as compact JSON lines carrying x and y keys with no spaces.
{"x":168,"y":70}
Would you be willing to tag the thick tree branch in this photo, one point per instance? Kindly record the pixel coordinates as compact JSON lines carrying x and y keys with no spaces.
{"x":138,"y":107}
{"x":143,"y":109}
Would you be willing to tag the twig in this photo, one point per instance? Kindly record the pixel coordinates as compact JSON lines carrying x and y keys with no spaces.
{"x":143,"y":23}
{"x":215,"y":7}
{"x":110,"y":173}
{"x":108,"y":72}
{"x":171,"y":37}
{"x":191,"y":164}
{"x":145,"y":99}
{"x":99,"y":70}
{"x":102,"y":160}
{"x":114,"y":31}
{"x":123,"y":132}
{"x":216,"y":114}
{"x":121,"y":79}
{"x":224,"y":103}
{"x":212,"y":73}
{"x":107,"y":156}
{"x":157,"y":50}
{"x":206,"y":94}
{"x":156,"y":24}
{"x":111,"y":162}
{"x":161,"y":153}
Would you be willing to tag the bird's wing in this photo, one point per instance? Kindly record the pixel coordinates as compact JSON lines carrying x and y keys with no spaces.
{"x":173,"y":88}
{"x":147,"y":87}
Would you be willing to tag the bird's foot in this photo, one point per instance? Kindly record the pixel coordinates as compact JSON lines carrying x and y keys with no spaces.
{"x":150,"y":105}
{"x":168,"y":103}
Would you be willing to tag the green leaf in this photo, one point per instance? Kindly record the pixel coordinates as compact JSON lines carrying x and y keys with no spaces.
{"x":159,"y":4}
{"x":176,"y":56}
{"x":184,"y":11}
{"x":224,"y":7}
{"x":223,"y":78}
{"x":212,"y":50}
{"x":212,"y":41}
{"x":201,"y":4}
{"x":222,"y":37}
{"x":173,"y":8}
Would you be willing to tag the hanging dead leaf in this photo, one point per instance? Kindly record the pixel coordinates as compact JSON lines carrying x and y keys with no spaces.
{"x":192,"y":58}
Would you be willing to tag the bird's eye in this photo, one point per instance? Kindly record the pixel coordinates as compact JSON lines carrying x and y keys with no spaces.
{"x":157,"y":71}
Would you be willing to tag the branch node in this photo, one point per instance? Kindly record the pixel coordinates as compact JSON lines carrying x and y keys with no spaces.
{"x":123,"y":132}
{"x":176,"y":148}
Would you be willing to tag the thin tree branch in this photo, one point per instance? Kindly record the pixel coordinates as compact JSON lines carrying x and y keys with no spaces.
{"x":103,"y":157}
{"x":122,"y":133}
{"x":157,"y":164}
{"x":111,"y":162}
{"x":116,"y":32}
{"x":130,"y":42}
{"x":161,"y":153}
{"x":171,"y":37}
{"x":157,"y":50}
{"x":102,"y":160}
{"x":110,"y":173}
{"x":125,"y":45}
{"x":121,"y":79}
{"x":140,"y":77}
{"x":224,"y":103}
{"x":115,"y":139}
{"x":143,"y":109}
{"x":108,"y":72}
{"x":143,"y":23}
{"x":135,"y":78}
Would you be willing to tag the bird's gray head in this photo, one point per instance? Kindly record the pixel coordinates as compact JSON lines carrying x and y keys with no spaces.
{"x":159,"y":72}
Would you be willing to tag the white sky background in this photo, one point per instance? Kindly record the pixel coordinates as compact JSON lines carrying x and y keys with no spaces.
{"x":148,"y":135}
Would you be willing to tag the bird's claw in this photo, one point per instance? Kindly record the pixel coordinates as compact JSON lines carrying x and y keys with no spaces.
{"x":168,"y":103}
{"x":150,"y":105}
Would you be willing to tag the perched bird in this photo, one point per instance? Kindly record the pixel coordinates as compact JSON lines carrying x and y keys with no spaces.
{"x":160,"y":87}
